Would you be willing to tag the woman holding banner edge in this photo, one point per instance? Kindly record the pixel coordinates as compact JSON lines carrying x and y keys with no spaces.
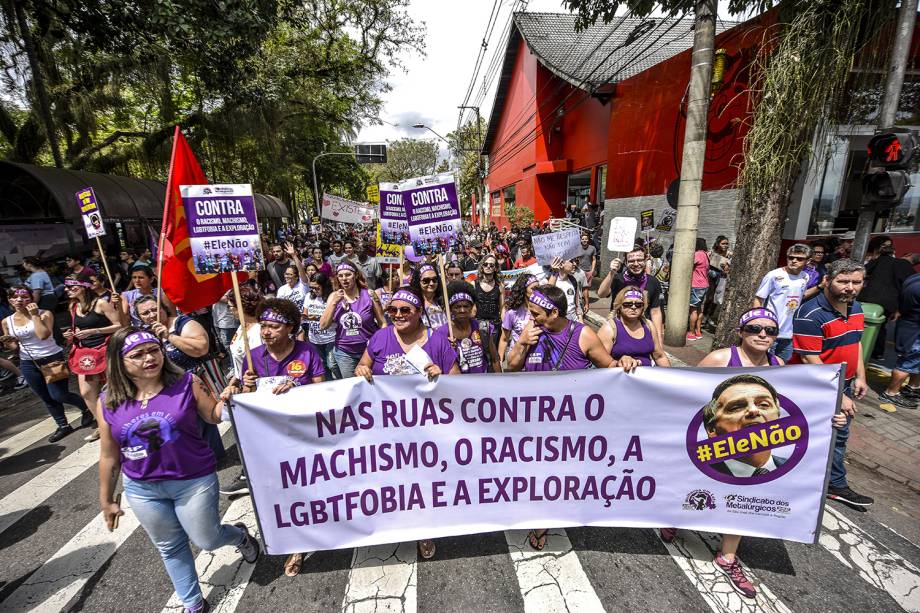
{"x":476,"y":353}
{"x":403,"y":349}
{"x":550,"y":342}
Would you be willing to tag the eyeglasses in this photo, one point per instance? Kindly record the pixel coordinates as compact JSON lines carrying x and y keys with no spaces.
{"x":755,"y":329}
{"x":431,"y":281}
{"x":798,"y":258}
{"x":391,"y":311}
{"x":488,"y":264}
{"x":633,"y":305}
{"x":635,"y":262}
{"x":140,"y":355}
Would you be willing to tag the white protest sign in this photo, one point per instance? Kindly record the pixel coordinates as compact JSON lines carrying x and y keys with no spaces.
{"x":565,"y":244}
{"x":353,"y":463}
{"x":622,"y":235}
{"x":344,"y":210}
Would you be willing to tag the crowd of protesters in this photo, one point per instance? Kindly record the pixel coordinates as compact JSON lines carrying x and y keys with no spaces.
{"x":326,"y":303}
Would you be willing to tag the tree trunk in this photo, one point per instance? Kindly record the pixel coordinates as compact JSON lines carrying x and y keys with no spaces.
{"x":756,"y":250}
{"x":691,"y":174}
{"x":38,"y":82}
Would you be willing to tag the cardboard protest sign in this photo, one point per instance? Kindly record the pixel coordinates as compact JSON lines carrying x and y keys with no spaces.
{"x":565,"y":244}
{"x":667,"y":220}
{"x":622,"y":235}
{"x":373,"y":194}
{"x":387,"y":253}
{"x":433,"y":212}
{"x":344,"y":210}
{"x":90,"y":213}
{"x":394,"y":228}
{"x":222,"y":227}
{"x":647,"y":219}
{"x":353,"y":463}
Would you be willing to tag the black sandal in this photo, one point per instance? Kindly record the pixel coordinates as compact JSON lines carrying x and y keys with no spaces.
{"x":537,"y":541}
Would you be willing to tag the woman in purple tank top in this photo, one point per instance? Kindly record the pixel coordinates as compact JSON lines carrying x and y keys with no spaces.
{"x":552,"y":342}
{"x":356,"y":314}
{"x":758,"y":329}
{"x":628,"y":335}
{"x":149,"y":431}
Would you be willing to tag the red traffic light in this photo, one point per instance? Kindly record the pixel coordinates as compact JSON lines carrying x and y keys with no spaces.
{"x":892,"y":150}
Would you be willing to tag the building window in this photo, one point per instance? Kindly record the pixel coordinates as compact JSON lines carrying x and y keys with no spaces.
{"x":496,"y":204}
{"x":509,"y":194}
{"x":578,"y":188}
{"x":601,"y":184}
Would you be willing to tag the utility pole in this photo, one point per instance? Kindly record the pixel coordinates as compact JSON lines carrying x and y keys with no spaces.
{"x":907,"y":16}
{"x":479,"y":174}
{"x":691,"y":173}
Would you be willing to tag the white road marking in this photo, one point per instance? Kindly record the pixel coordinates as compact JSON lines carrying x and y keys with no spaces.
{"x":553,"y":579}
{"x":42,"y":430}
{"x":222,"y":573}
{"x":383,"y":579}
{"x":59,"y":579}
{"x":872,"y":561}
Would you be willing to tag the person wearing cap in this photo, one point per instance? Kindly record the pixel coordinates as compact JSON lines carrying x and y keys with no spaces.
{"x":149,"y":432}
{"x":476,"y":353}
{"x":629,"y":336}
{"x":355,"y":313}
{"x":408,"y":347}
{"x":550,"y":342}
{"x":782,"y":291}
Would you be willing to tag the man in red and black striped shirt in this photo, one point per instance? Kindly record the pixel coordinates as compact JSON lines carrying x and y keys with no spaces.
{"x":827,"y":330}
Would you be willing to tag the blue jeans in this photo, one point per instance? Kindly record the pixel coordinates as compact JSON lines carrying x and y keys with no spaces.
{"x":838,"y":468}
{"x":325,"y":352}
{"x":346,"y":362}
{"x":782,"y":348}
{"x":54,"y":395}
{"x":172,"y":512}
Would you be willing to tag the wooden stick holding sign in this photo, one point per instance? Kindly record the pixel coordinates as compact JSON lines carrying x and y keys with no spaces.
{"x":95,"y":227}
{"x":105,"y":263}
{"x":450,"y":323}
{"x":244,"y":324}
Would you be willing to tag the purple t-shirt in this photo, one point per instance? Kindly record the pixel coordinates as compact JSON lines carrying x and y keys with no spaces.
{"x":355,"y":323}
{"x":515,"y":321}
{"x":472,"y":354}
{"x":390,"y":359}
{"x":302,"y":364}
{"x":545,"y":354}
{"x":162,"y":441}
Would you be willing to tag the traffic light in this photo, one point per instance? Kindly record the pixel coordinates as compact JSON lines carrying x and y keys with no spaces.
{"x":887,"y":176}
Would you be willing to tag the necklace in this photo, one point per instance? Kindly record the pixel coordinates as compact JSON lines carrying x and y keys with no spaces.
{"x":146,"y":398}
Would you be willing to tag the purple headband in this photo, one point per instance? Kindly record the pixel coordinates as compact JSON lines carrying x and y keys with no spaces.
{"x":425,"y":268}
{"x":77,"y":283}
{"x":275,"y":316}
{"x":460,"y":297}
{"x":406,"y":296}
{"x":134,"y":339}
{"x":346,"y":266}
{"x":23,"y":293}
{"x":634,"y":293}
{"x":758,"y":313}
{"x":531,"y":279}
{"x":539,"y":298}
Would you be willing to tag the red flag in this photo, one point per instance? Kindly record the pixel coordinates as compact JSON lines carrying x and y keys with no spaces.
{"x":187,"y":290}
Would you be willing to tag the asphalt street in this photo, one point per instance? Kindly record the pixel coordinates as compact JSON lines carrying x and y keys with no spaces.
{"x":58,"y":556}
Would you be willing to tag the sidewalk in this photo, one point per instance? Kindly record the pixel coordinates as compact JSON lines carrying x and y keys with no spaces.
{"x":882,"y":438}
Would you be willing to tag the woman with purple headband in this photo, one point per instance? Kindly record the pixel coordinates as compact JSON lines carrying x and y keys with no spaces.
{"x":757,"y":330}
{"x":355,"y":314}
{"x":149,"y":433}
{"x":628,"y":335}
{"x":427,"y":282}
{"x":516,"y":314}
{"x":32,"y":328}
{"x":551,"y":342}
{"x":408,"y":347}
{"x":476,"y":353}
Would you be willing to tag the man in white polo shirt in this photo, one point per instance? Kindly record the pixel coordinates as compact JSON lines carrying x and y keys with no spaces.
{"x":782,"y":291}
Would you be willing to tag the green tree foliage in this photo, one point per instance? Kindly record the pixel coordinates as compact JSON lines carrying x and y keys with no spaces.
{"x":259,"y":86}
{"x":464,"y":148}
{"x":518,"y":215}
{"x":406,"y":158}
{"x":592,"y":11}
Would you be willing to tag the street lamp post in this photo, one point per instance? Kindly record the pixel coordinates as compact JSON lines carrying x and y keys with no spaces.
{"x":318,"y":210}
{"x":421,"y":126}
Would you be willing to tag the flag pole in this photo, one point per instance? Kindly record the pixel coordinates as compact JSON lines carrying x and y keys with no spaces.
{"x":105,"y":263}
{"x":169,"y":176}
{"x":244,"y":324}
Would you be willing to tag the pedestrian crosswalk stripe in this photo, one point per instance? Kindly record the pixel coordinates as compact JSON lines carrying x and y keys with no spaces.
{"x":222,"y":573}
{"x":383,"y":579}
{"x":552,"y":579}
{"x":63,"y":576}
{"x":872,"y":561}
{"x":28,"y":437}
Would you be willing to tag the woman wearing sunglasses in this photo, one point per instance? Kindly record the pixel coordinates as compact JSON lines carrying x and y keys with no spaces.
{"x":427,"y":283}
{"x":490,"y":300}
{"x":628,"y":335}
{"x":475,"y":352}
{"x":351,"y":308}
{"x":394,"y":351}
{"x":758,"y":329}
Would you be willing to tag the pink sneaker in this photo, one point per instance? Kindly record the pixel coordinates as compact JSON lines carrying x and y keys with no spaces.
{"x":691,"y":336}
{"x":736,"y":575}
{"x":667,"y":534}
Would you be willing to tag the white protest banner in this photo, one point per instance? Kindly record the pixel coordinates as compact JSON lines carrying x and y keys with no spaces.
{"x":89,"y":211}
{"x":565,"y":244}
{"x":222,"y":227}
{"x":352,"y":463}
{"x":622,"y":235}
{"x":344,"y":210}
